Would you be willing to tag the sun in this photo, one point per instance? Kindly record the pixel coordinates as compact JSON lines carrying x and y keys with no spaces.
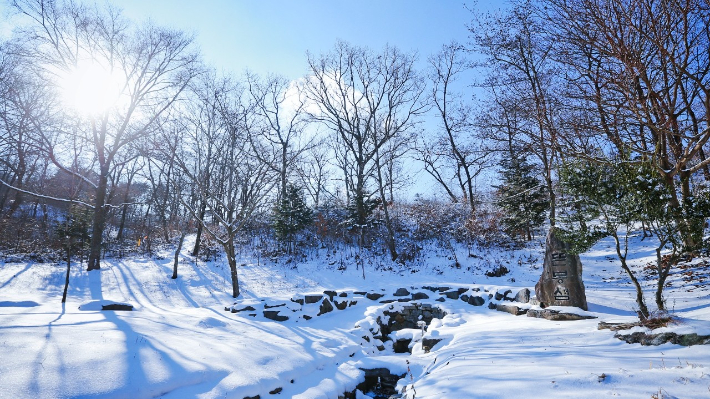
{"x":91,"y":89}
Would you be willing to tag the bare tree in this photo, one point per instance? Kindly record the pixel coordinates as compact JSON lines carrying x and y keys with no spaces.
{"x":366,"y":99}
{"x":456,"y":150}
{"x":523,"y":73}
{"x":216,"y":157}
{"x":278,"y":133}
{"x":151,"y":65}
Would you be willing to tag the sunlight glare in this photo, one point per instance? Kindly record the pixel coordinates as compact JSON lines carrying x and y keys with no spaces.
{"x":91,"y":89}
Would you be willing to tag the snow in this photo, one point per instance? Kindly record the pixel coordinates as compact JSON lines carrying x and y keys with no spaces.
{"x":180,"y":342}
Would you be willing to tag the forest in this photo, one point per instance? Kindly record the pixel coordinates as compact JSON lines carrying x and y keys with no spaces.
{"x":116,"y":137}
{"x":134,"y":173}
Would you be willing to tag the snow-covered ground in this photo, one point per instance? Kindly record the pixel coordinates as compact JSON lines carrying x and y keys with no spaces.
{"x":179,"y":342}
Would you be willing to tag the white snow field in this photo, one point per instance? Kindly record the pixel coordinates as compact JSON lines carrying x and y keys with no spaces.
{"x":179,"y":342}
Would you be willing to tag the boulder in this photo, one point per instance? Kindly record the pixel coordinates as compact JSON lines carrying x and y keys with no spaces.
{"x":556,"y":315}
{"x":325,"y":307}
{"x":512,"y":309}
{"x":341,"y":305}
{"x":452,"y":294}
{"x":373,"y":296}
{"x":522,"y":296}
{"x":420,"y":295}
{"x":401,"y":292}
{"x":274,"y":315}
{"x":313,"y":298}
{"x":476,"y":300}
{"x":561,"y":281}
{"x":330,"y":293}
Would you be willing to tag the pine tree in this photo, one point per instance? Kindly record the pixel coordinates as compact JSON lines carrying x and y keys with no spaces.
{"x":521,"y":196}
{"x":291,"y":215}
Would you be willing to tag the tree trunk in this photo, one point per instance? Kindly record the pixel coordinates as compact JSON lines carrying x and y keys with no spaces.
{"x":198,"y":236}
{"x":232,"y":260}
{"x":66,"y":280}
{"x":663,"y":271}
{"x":94,"y":262}
{"x":643,"y":309}
{"x":177,"y":253}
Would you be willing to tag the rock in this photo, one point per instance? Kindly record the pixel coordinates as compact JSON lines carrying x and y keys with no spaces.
{"x":404,"y":299}
{"x":373,"y":296}
{"x":498,"y":296}
{"x":388,"y":300}
{"x":616,"y":326}
{"x":506,"y":295}
{"x":428,"y":343}
{"x":556,"y":315}
{"x":341,"y":305}
{"x":117,"y":306}
{"x":307,"y":317}
{"x":476,"y":300}
{"x":278,"y":305}
{"x":246,"y":308}
{"x":275,"y":391}
{"x":451,"y":294}
{"x":360,"y":293}
{"x":299,"y":301}
{"x":330,"y":293}
{"x":561,"y":281}
{"x":274,"y":315}
{"x":343,"y":294}
{"x":352,"y":303}
{"x":512,"y":309}
{"x":420,"y":295}
{"x":402,"y":345}
{"x":325,"y":307}
{"x":436,"y":289}
{"x":440,"y":299}
{"x":522,"y":296}
{"x":313,"y":298}
{"x":252,"y":397}
{"x":464,"y":298}
{"x":401,"y":292}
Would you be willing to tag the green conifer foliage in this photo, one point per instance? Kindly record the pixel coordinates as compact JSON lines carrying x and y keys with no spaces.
{"x":521,"y":197}
{"x":291,"y":215}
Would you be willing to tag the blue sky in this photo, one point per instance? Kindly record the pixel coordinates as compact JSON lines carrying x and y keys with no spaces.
{"x":270,"y":36}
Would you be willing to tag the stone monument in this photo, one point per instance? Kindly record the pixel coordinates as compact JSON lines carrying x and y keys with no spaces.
{"x":561,"y":281}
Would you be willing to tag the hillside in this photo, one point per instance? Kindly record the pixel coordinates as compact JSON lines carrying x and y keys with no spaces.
{"x":179,"y":341}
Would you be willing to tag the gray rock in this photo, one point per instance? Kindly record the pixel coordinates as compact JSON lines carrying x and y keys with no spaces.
{"x":401,"y":292}
{"x":522,"y":296}
{"x":373,"y":296}
{"x":420,"y":295}
{"x":476,"y":300}
{"x":451,"y":294}
{"x":512,"y":309}
{"x":561,"y":281}
{"x":313,"y":298}
{"x":299,"y":301}
{"x":556,"y":315}
{"x":325,"y":307}
{"x":330,"y":293}
{"x":341,"y":305}
{"x":499,"y":296}
{"x":274,"y":315}
{"x":440,"y":299}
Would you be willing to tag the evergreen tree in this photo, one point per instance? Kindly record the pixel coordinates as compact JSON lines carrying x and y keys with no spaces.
{"x":521,"y":196}
{"x":291,"y":215}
